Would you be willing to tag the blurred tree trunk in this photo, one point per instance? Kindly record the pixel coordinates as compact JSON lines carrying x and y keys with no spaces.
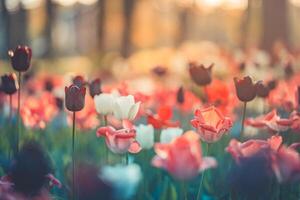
{"x":183,"y":25}
{"x":50,"y":12}
{"x":128,"y":8}
{"x":101,"y":23}
{"x":275,"y":23}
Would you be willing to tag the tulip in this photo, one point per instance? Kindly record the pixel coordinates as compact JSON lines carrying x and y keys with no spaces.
{"x":21,"y":58}
{"x":162,"y":119}
{"x":295,"y":117}
{"x":246,"y":91}
{"x":74,"y":101}
{"x":262,"y":90}
{"x":74,"y":98}
{"x":125,"y":108}
{"x":145,"y":136}
{"x":169,"y":134}
{"x":180,"y":95}
{"x":104,"y":103}
{"x":120,"y":141}
{"x":211,"y":124}
{"x":160,"y":71}
{"x":200,"y":75}
{"x":9,"y":84}
{"x":95,"y":87}
{"x":182,"y":157}
{"x":79,"y":81}
{"x":271,"y":121}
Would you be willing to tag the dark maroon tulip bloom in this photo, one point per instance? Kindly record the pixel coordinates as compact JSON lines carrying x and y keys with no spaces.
{"x":21,"y":58}
{"x":9,"y":83}
{"x":245,"y":89}
{"x":262,"y":90}
{"x":95,"y":87}
{"x":272,"y":84}
{"x":79,"y":81}
{"x":289,"y":70}
{"x":200,"y":75}
{"x":75,"y":98}
{"x":180,"y":95}
{"x":48,"y":85}
{"x":160,"y":71}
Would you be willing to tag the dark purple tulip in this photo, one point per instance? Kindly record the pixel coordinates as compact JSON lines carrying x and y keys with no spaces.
{"x":9,"y":83}
{"x":48,"y":85}
{"x":201,"y":76}
{"x":272,"y":84}
{"x":74,"y":98}
{"x":262,"y":90}
{"x":79,"y":81}
{"x":289,"y":70}
{"x":95,"y":87}
{"x":180,"y":95}
{"x":160,"y":71}
{"x":245,"y":89}
{"x":21,"y":58}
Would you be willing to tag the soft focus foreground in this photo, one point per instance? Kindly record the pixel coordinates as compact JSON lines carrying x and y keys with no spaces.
{"x":180,"y":114}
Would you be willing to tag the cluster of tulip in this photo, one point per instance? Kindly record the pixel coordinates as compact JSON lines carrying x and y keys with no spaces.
{"x":187,"y":132}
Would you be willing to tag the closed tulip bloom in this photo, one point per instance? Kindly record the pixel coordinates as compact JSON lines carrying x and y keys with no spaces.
{"x":262,"y":90}
{"x":95,"y":87}
{"x":74,"y":98}
{"x":9,"y":83}
{"x":211,"y":124}
{"x":21,"y":58}
{"x":200,"y":75}
{"x":104,"y":103}
{"x":245,"y":89}
{"x":182,"y":158}
{"x":169,"y":134}
{"x":120,"y":141}
{"x":79,"y":81}
{"x":125,"y":108}
{"x":180,"y":95}
{"x":145,"y":136}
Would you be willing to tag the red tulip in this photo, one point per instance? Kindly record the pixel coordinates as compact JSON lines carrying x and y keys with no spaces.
{"x":271,"y":121}
{"x":74,"y":98}
{"x":21,"y":58}
{"x":200,"y":75}
{"x":245,"y":89}
{"x":211,"y":124}
{"x":162,"y":119}
{"x":182,"y":157}
{"x":120,"y":141}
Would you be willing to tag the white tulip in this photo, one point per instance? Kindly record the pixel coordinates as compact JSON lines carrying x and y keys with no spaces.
{"x":104,"y":103}
{"x":169,"y":134}
{"x":126,"y":108}
{"x":145,"y":136}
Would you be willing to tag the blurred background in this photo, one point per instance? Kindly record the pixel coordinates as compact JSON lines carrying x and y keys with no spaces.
{"x":97,"y":28}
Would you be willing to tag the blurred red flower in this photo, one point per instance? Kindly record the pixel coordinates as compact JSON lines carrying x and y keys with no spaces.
{"x":182,"y":158}
{"x":162,"y":119}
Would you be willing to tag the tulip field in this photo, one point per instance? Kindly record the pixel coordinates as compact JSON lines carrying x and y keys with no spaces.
{"x":218,"y":130}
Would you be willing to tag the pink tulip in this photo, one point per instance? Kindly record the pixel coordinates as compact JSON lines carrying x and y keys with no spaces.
{"x":270,"y":121}
{"x":211,"y":124}
{"x":182,"y":157}
{"x":120,"y":141}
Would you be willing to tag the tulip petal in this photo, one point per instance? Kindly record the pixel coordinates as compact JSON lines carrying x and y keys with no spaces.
{"x":135,"y":147}
{"x":133,"y":111}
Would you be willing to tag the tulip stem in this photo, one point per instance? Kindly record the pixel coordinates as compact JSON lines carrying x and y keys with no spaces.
{"x":105,"y":122}
{"x":18,"y":116}
{"x":127,"y":158}
{"x":73,"y":157}
{"x":10,"y":124}
{"x":203,"y":174}
{"x":243,"y":119}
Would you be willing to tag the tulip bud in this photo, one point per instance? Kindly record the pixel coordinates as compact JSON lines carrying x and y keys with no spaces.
{"x":95,"y":87}
{"x":48,"y":85}
{"x":262,"y":90}
{"x":180,"y":95}
{"x":200,"y":75}
{"x":272,"y":84}
{"x":159,"y":71}
{"x":288,"y":70}
{"x":20,"y":58}
{"x":9,"y":84}
{"x":79,"y":81}
{"x":74,"y":98}
{"x":245,"y":89}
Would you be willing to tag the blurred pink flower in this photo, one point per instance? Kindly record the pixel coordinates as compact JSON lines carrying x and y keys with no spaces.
{"x":120,"y":141}
{"x":182,"y":158}
{"x":271,"y":121}
{"x":211,"y":124}
{"x":295,"y":117}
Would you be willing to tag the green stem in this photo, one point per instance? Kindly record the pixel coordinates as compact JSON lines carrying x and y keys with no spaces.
{"x":243,"y":119}
{"x":127,"y":158}
{"x":73,"y":158}
{"x":18,"y":116}
{"x":203,"y":175}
